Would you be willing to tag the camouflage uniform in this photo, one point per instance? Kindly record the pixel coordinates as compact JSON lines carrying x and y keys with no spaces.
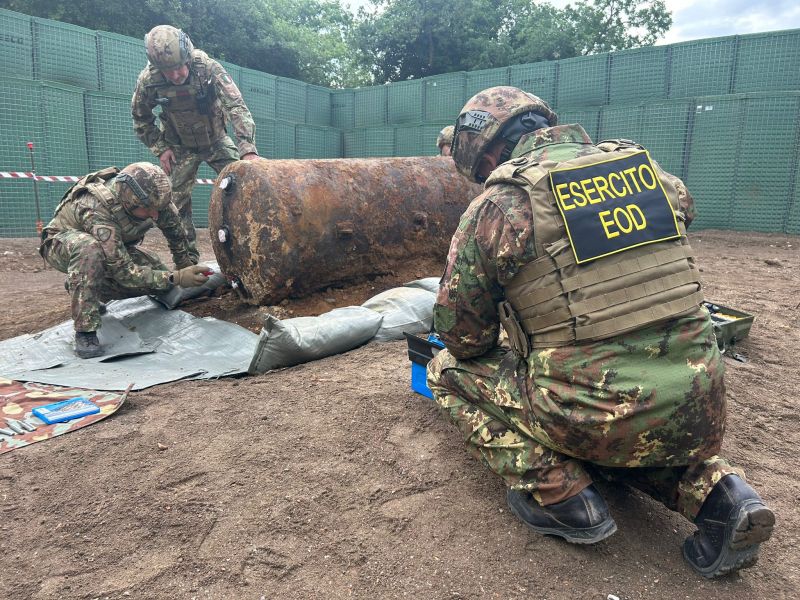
{"x":646,"y":408}
{"x":96,"y":246}
{"x":192,"y":123}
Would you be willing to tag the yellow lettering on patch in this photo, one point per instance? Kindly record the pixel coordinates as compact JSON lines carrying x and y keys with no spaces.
{"x":562,"y":197}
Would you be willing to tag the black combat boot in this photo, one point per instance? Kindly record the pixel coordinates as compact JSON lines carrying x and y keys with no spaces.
{"x":731,"y":525}
{"x":87,"y":345}
{"x":581,"y":519}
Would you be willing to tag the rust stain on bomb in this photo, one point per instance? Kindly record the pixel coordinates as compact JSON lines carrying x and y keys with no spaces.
{"x":293,"y":227}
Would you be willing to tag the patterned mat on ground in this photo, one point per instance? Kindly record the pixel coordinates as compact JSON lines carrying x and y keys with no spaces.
{"x":18,"y":399}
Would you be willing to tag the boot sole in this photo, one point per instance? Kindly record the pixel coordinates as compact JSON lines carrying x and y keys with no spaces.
{"x":590,"y":535}
{"x":747,"y":528}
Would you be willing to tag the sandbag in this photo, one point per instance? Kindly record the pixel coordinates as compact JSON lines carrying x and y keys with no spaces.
{"x":288,"y":342}
{"x":176,"y":294}
{"x":430,"y":284}
{"x":404,"y":309}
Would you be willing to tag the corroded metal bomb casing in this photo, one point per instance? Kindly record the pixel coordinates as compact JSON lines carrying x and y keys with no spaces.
{"x":287,"y":228}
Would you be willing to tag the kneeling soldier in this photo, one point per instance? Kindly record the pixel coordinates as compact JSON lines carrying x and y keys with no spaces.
{"x":93,"y":238}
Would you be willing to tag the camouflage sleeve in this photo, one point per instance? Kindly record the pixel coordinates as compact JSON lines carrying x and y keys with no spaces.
{"x":688,"y":212}
{"x":487,"y":249}
{"x":236,"y":111}
{"x":119,"y":265}
{"x":170,"y":225}
{"x":144,"y":121}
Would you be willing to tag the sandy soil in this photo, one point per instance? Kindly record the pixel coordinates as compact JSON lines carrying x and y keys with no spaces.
{"x":333,"y":480}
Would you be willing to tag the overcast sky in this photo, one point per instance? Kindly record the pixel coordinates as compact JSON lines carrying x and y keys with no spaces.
{"x":693,"y":19}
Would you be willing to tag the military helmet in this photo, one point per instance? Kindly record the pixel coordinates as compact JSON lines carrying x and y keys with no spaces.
{"x":445,"y":137}
{"x":167,"y":47}
{"x":483,"y":119}
{"x":143,"y":184}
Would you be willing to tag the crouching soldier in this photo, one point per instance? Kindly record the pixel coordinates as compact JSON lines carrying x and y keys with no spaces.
{"x":93,"y":238}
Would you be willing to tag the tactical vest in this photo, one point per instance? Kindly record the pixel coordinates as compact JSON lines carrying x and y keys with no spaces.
{"x":188,"y":110}
{"x":554,"y":301}
{"x":132,"y":230}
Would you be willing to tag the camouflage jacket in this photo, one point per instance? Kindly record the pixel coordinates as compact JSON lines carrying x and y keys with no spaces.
{"x":227,"y":104}
{"x":88,"y":214}
{"x":493,"y":241}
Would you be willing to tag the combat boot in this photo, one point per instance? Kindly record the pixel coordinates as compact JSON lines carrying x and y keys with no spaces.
{"x":580,"y":519}
{"x":731,"y":525}
{"x":87,"y":345}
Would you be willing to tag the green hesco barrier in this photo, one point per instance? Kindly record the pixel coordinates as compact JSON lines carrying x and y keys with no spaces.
{"x":769,"y":61}
{"x":265,"y":137}
{"x":342,"y":109}
{"x":701,"y":68}
{"x":407,"y":140}
{"x":793,"y":216}
{"x":444,"y":96}
{"x":536,"y":78}
{"x":712,"y":159}
{"x":310,"y":141}
{"x":665,"y":133}
{"x":379,"y":141}
{"x":318,"y":105}
{"x":582,"y":81}
{"x":120,"y":59}
{"x":766,"y":162}
{"x":285,"y":141}
{"x":428,"y":135}
{"x":16,"y":44}
{"x":638,"y":74}
{"x":406,"y":101}
{"x":258,"y":91}
{"x":354,"y":143}
{"x":110,"y":139}
{"x":477,"y":81}
{"x":370,"y":106}
{"x":290,"y":103}
{"x":623,"y":121}
{"x":588,"y":117}
{"x":333,"y":143}
{"x":65,"y":53}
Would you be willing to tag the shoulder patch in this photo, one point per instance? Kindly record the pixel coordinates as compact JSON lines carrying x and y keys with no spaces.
{"x":102,"y":233}
{"x":225,"y":78}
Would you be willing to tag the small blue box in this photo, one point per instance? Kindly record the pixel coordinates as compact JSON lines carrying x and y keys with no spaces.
{"x":421,"y":351}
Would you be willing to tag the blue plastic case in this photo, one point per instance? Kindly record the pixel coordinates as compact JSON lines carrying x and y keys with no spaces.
{"x":66,"y":410}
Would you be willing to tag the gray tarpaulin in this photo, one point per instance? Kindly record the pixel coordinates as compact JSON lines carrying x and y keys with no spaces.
{"x":144,"y":344}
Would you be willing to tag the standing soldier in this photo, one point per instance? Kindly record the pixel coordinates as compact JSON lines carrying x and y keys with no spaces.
{"x":93,"y":238}
{"x":580,"y":252}
{"x":444,"y":140}
{"x":197,"y":97}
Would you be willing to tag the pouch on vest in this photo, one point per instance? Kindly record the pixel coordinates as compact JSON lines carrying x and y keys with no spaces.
{"x":517,"y":338}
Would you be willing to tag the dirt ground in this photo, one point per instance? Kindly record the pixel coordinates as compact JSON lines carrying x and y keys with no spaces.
{"x":333,"y":480}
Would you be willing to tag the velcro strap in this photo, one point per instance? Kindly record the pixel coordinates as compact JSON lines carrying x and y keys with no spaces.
{"x":635,"y":292}
{"x":631,"y":265}
{"x":533,"y":324}
{"x":542,"y":266}
{"x":665,"y":310}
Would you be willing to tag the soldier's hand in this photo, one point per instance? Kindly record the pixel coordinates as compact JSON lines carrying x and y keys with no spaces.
{"x":167,"y":159}
{"x":191,"y":276}
{"x":250,"y":156}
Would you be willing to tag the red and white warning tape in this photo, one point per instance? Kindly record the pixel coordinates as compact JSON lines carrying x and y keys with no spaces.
{"x":61,"y":178}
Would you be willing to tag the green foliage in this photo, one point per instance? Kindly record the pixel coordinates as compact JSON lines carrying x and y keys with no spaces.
{"x":321,"y":42}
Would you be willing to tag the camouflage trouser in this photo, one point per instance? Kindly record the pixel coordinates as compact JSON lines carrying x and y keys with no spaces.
{"x":81,"y":257}
{"x":482,"y":398}
{"x":183,"y":176}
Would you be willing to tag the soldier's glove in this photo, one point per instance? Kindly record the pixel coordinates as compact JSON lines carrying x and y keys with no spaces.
{"x":191,"y":276}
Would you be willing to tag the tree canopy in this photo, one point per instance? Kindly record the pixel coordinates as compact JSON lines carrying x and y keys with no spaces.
{"x":322,"y":42}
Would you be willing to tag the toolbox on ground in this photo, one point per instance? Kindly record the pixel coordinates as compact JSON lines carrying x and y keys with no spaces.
{"x":421,"y":350}
{"x":730,"y":325}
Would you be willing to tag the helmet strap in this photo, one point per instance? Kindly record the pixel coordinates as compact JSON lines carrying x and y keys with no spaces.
{"x":135,"y":188}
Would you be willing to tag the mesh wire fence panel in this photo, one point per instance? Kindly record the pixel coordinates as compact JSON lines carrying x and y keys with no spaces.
{"x":588,"y":117}
{"x":768,"y":62}
{"x":265,"y":137}
{"x":65,"y":53}
{"x":638,"y":74}
{"x":290,"y":102}
{"x":444,"y":96}
{"x":354,"y":143}
{"x":428,"y":135}
{"x":120,"y":59}
{"x":477,"y":81}
{"x":370,"y":106}
{"x":620,"y":122}
{"x":405,"y":101}
{"x":16,"y":44}
{"x":407,"y":140}
{"x":379,"y":141}
{"x":342,"y":109}
{"x":318,"y":105}
{"x":333,"y":143}
{"x":310,"y":141}
{"x":537,"y":78}
{"x":793,"y":213}
{"x":258,"y":91}
{"x":582,"y":81}
{"x":285,"y":144}
{"x":109,"y":132}
{"x":701,"y":68}
{"x":665,"y":133}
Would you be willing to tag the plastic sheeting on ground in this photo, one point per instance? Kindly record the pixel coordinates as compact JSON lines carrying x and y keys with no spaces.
{"x":144,"y":343}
